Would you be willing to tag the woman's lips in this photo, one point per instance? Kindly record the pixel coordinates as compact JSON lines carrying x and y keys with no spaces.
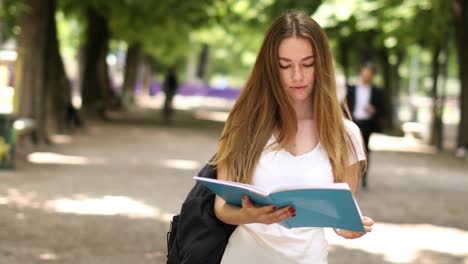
{"x":299,"y":87}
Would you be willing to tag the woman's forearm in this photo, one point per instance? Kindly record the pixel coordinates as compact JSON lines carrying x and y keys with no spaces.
{"x":229,"y":214}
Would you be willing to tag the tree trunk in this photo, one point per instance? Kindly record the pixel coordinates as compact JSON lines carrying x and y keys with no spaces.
{"x":57,"y":87}
{"x":30,"y":67}
{"x":191,"y":67}
{"x":396,"y":74}
{"x":145,"y":72}
{"x":96,"y":83}
{"x":130,"y":75}
{"x":435,"y":138}
{"x":344,"y":58}
{"x":387,"y":89}
{"x":395,"y":125}
{"x":203,"y":63}
{"x":460,"y":8}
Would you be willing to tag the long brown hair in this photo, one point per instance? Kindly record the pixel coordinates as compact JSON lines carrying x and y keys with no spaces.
{"x":263,"y":104}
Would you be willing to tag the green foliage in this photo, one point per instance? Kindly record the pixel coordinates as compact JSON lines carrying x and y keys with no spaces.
{"x":9,"y":12}
{"x":162,"y":27}
{"x":103,"y":7}
{"x":393,"y":25}
{"x":239,"y":30}
{"x":279,"y":7}
{"x":431,"y":22}
{"x":70,"y":33}
{"x":4,"y":147}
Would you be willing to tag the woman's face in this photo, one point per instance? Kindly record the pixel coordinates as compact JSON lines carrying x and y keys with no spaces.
{"x":296,"y":68}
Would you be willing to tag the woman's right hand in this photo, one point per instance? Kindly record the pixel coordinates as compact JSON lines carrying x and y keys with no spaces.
{"x":266,"y":214}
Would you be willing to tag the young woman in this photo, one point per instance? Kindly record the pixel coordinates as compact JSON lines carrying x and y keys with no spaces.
{"x":286,"y":128}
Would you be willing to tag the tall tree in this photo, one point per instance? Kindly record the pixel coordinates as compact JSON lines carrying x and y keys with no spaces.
{"x":130,"y":73}
{"x":157,"y":29}
{"x":460,"y":11}
{"x":96,"y":83}
{"x":431,"y":30}
{"x":57,"y":91}
{"x":41,"y":85}
{"x":95,"y":80}
{"x":30,"y":70}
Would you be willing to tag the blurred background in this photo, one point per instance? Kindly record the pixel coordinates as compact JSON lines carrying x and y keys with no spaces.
{"x":108,"y":108}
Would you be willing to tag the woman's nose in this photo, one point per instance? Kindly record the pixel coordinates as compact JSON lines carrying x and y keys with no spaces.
{"x":297,"y":74}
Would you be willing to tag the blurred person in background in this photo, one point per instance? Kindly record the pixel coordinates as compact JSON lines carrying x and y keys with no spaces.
{"x":366,"y":104}
{"x":170,"y":89}
{"x":286,"y":128}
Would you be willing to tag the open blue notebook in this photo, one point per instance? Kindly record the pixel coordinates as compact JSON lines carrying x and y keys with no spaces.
{"x":330,"y":205}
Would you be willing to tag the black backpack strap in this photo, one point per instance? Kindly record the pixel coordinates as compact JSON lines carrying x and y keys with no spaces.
{"x":196,"y":235}
{"x":171,"y":234}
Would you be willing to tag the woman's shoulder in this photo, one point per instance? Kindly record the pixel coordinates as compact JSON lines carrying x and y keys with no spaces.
{"x":351,"y":127}
{"x":354,"y":134}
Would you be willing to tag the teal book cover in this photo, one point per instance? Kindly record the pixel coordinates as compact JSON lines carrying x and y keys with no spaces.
{"x":329,"y":205}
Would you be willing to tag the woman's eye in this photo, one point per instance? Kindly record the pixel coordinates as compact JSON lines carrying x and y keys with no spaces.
{"x":284,"y":66}
{"x":309,"y":65}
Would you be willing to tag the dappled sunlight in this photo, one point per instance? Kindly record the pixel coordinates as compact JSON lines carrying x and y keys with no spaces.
{"x":211,"y":115}
{"x":20,"y":198}
{"x":61,"y":139}
{"x":107,"y":205}
{"x":154,"y":254}
{"x":84,"y":205}
{"x":415,"y":170}
{"x":380,"y":142}
{"x":402,"y":243}
{"x":181,"y":164}
{"x":203,"y":102}
{"x":55,"y":158}
{"x":47,"y":256}
{"x":185,"y":102}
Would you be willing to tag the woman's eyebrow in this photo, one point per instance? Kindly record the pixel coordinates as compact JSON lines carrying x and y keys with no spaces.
{"x":306,"y":58}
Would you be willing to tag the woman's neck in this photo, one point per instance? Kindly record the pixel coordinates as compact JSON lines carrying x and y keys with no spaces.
{"x":303,"y":110}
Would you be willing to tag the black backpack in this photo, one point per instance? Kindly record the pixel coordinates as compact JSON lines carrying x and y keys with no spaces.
{"x":196,"y":235}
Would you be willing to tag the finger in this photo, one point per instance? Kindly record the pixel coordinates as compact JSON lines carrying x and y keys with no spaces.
{"x":284,"y":216}
{"x":348,"y":234}
{"x":281,"y":215}
{"x":367,"y":221}
{"x":368,"y":229}
{"x":359,"y":234}
{"x":366,"y":218}
{"x":285,"y":210}
{"x":267,"y":209}
{"x":271,"y":217}
{"x":353,"y":235}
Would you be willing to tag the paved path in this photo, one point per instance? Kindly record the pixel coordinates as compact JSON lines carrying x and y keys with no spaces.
{"x":105,"y":195}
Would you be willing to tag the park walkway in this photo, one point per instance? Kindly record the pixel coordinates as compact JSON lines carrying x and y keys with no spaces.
{"x":105,"y":195}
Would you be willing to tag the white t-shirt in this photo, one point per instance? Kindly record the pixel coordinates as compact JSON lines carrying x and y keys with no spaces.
{"x":260,"y":243}
{"x":363,"y":94}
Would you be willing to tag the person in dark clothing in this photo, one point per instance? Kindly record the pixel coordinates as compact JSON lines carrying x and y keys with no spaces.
{"x":366,"y":104}
{"x":170,"y":89}
{"x":72,"y":117}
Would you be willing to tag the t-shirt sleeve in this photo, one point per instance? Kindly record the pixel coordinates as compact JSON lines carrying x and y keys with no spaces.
{"x":358,"y":153}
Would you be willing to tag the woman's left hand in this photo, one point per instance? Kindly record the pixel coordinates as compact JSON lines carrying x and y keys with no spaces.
{"x":348,"y":234}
